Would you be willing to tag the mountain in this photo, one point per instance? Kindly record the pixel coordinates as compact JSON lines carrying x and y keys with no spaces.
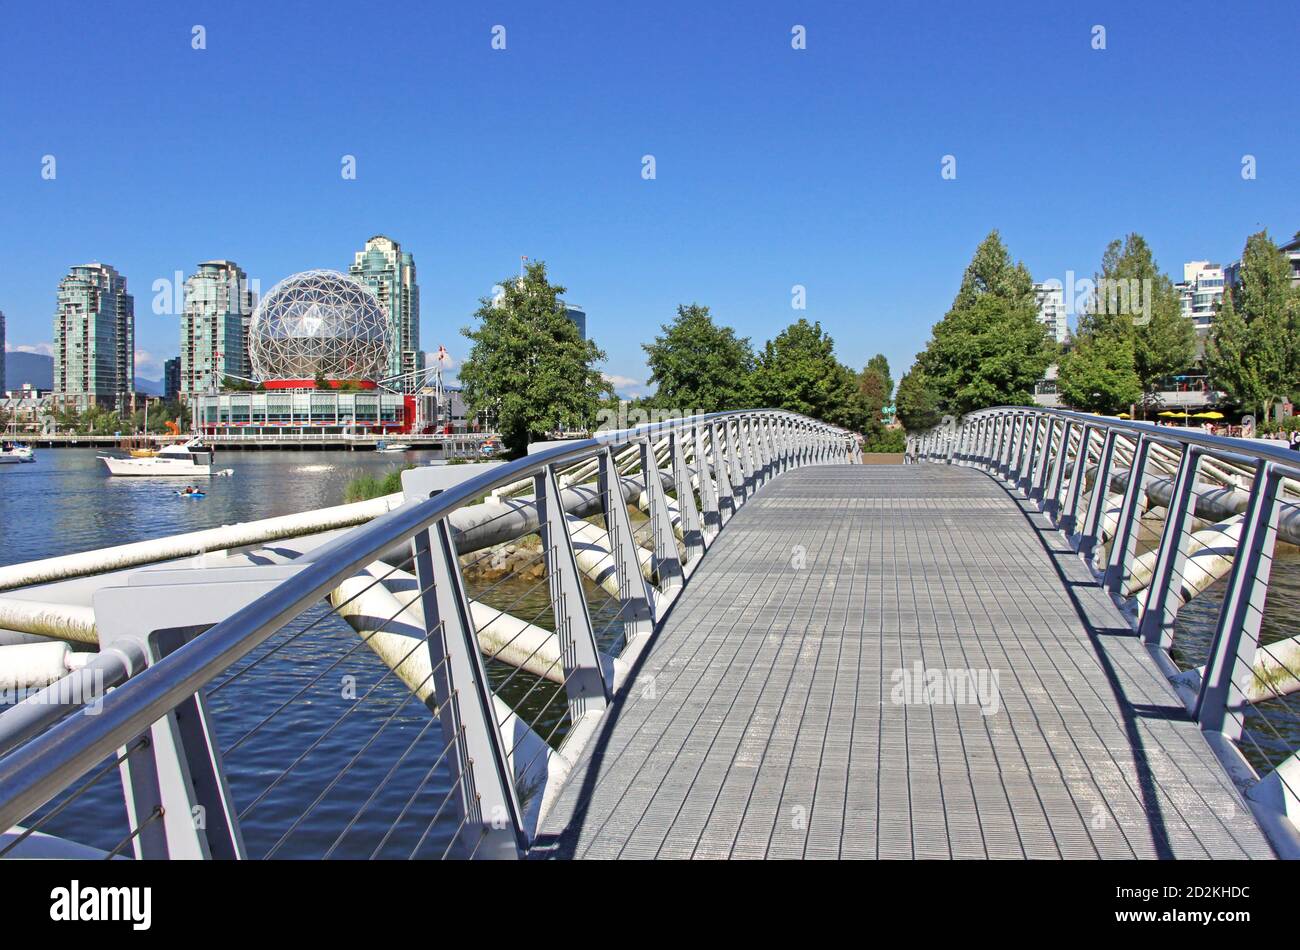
{"x":39,"y":371}
{"x":29,"y":368}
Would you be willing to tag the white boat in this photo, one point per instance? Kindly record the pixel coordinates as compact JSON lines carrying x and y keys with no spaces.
{"x":178,"y":461}
{"x":12,"y":453}
{"x":392,"y":447}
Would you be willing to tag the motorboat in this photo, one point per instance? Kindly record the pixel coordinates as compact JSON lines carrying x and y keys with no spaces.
{"x":12,"y":453}
{"x":383,"y":446}
{"x":179,"y":461}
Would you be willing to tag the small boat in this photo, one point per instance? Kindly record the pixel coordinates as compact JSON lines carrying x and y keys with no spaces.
{"x":15,"y":452}
{"x":192,"y":494}
{"x":382,"y":446}
{"x":175,"y":461}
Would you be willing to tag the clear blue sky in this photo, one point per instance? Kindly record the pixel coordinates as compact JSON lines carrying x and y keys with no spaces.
{"x":775,"y":167}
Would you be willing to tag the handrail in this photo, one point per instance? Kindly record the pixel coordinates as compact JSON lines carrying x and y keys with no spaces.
{"x":35,"y":772}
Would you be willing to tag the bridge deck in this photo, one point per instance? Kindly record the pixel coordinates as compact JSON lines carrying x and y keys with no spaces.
{"x":766,"y":721}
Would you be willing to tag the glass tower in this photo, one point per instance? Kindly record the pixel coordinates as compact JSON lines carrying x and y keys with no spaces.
{"x":389,"y":273}
{"x":214,"y":327}
{"x":94,"y":339}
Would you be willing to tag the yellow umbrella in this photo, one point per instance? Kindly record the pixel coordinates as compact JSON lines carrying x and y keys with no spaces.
{"x":1169,"y":414}
{"x":1125,"y":415}
{"x":1208,"y":415}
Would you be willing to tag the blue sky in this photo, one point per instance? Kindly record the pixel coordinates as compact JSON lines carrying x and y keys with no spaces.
{"x":775,"y":166}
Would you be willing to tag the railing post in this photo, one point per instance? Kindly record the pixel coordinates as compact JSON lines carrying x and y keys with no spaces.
{"x":749,"y":440}
{"x":584,"y":676}
{"x":1069,"y":518}
{"x":635,"y":595}
{"x":1008,"y":444}
{"x":1052,"y":492}
{"x":1160,"y":606}
{"x":1219,"y":707}
{"x":667,"y":564}
{"x":764,"y":456}
{"x":726,"y":493}
{"x":481,"y":773}
{"x":1124,"y":544}
{"x":1043,"y":463}
{"x":692,"y":529}
{"x":739,"y":478}
{"x":1028,"y":454}
{"x":1092,"y":528}
{"x":708,"y":490}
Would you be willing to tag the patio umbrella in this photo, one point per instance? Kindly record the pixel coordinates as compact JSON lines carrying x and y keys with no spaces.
{"x":1208,"y":415}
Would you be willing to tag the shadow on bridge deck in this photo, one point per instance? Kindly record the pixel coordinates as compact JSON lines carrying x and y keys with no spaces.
{"x":783,"y":710}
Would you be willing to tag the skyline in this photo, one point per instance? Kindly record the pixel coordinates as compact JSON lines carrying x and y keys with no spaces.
{"x":866,"y":113}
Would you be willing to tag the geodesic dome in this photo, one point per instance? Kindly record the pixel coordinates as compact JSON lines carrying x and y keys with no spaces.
{"x":319,"y":322}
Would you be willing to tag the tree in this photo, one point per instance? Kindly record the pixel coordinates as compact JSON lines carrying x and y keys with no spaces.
{"x":1254,"y":347}
{"x":990,"y":348}
{"x":917,"y":402}
{"x":1135,"y":302}
{"x":797,"y":371}
{"x":875,"y":388}
{"x":1097,"y":374}
{"x":528,"y":365}
{"x":699,"y":366}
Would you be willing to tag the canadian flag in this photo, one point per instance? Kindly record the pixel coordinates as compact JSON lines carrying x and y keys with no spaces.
{"x":442,"y":354}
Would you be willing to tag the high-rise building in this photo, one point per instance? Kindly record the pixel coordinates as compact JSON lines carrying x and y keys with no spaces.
{"x":172,"y":379}
{"x":214,"y":327}
{"x":578,"y":316}
{"x":1232,"y":273}
{"x":2,"y":352}
{"x":1200,"y":293}
{"x":1050,"y":297}
{"x":94,"y":339}
{"x":389,"y":273}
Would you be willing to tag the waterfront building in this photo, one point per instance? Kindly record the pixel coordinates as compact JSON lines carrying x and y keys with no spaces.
{"x":2,"y":351}
{"x":389,"y":273}
{"x":1050,"y":298}
{"x":172,"y":379}
{"x":1200,"y":294}
{"x":214,"y":327}
{"x":1232,"y":273}
{"x":94,"y":339}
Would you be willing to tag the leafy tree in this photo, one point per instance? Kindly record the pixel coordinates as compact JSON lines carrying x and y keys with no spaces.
{"x":875,"y":387}
{"x":990,"y":348}
{"x":797,"y":371}
{"x":917,"y":402}
{"x":1135,"y":302}
{"x":1097,"y":374}
{"x":1254,"y":348}
{"x":699,"y":365}
{"x":528,"y":364}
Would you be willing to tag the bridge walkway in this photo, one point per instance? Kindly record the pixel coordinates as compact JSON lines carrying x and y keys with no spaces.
{"x":783,"y":710}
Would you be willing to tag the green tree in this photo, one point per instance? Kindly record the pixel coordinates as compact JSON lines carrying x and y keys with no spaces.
{"x":528,"y":365}
{"x":699,"y":365}
{"x":1135,"y":302}
{"x":1254,"y":348}
{"x":990,"y":348}
{"x":1097,"y":374}
{"x":917,"y":402}
{"x":797,"y":371}
{"x":875,"y":388}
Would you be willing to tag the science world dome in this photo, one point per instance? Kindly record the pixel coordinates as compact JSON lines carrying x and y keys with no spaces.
{"x":319,"y":323}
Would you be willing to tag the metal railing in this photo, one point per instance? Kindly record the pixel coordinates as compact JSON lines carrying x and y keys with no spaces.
{"x":1183,"y":529}
{"x":415,"y":686}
